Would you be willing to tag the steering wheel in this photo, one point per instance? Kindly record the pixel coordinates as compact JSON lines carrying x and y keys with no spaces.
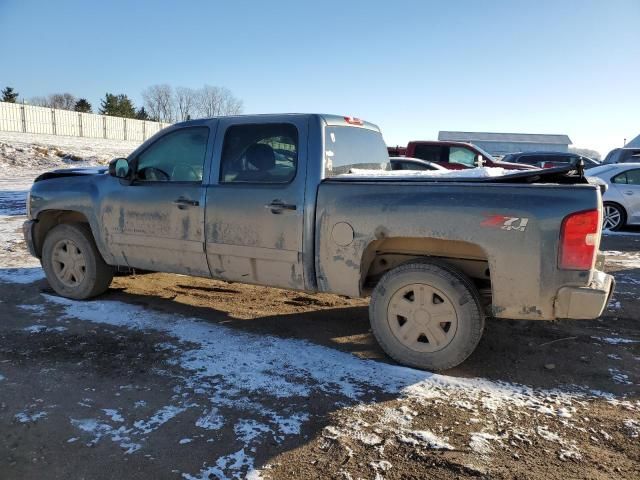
{"x":183,"y":172}
{"x":154,"y":174}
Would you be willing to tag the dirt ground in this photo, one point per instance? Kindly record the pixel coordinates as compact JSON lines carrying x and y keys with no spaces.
{"x":122,"y":387}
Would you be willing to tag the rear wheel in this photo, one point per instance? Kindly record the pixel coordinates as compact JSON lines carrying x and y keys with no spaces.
{"x":72,"y":263}
{"x":613,"y":217}
{"x":426,"y":315}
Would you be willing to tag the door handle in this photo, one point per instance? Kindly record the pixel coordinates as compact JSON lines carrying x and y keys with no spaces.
{"x":183,"y":203}
{"x":277,"y":206}
{"x":628,"y":192}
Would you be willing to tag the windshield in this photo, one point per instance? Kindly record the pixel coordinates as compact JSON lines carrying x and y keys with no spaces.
{"x":353,"y":147}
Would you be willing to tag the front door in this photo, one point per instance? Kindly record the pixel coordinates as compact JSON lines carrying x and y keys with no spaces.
{"x":254,"y":212}
{"x":157,"y":222}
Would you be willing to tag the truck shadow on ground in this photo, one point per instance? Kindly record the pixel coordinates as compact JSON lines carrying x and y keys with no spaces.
{"x":538,"y":354}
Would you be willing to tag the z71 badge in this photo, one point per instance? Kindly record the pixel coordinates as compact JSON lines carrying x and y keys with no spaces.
{"x":506,"y":223}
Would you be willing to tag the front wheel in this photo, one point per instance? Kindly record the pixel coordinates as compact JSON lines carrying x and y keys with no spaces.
{"x":72,"y":263}
{"x":426,"y":315}
{"x":613,"y":217}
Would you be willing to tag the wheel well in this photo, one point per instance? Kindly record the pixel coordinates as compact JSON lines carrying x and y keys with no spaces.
{"x":619,"y":205}
{"x":49,"y":219}
{"x":380,"y":256}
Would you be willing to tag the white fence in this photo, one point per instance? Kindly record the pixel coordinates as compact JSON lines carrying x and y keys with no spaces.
{"x":17,"y":117}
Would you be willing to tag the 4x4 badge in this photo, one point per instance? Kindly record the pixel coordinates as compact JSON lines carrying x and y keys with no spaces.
{"x":506,"y":223}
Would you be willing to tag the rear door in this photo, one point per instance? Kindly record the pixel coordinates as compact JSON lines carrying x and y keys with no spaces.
{"x":254,"y":213}
{"x":628,"y":185}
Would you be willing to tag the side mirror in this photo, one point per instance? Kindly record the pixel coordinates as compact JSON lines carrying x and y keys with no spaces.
{"x":479,"y":162}
{"x":119,"y":168}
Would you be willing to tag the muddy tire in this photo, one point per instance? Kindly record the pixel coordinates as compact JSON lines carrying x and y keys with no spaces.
{"x":426,"y":315}
{"x":71,"y":261}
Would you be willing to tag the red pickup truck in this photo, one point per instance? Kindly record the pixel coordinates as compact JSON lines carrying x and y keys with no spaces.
{"x":453,"y":155}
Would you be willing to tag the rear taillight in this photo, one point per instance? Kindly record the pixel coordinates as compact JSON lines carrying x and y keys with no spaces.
{"x":547,"y":165}
{"x":579,"y":240}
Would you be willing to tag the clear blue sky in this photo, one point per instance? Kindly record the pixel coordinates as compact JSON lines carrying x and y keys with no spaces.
{"x":413,"y":67}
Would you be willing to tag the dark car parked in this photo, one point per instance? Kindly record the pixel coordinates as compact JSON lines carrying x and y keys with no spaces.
{"x":622,"y":155}
{"x":453,"y":155}
{"x":549,"y":159}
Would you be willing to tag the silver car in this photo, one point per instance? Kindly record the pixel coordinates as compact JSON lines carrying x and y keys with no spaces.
{"x":622,"y":198}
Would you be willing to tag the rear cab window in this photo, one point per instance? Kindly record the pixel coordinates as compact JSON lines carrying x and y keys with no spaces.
{"x":347,"y":147}
{"x":432,"y":153}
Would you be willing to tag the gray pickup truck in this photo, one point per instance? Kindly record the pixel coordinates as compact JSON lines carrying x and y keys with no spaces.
{"x":264,"y":199}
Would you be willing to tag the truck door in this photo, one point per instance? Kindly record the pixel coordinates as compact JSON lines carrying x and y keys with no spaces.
{"x":254,"y":214}
{"x":157,"y":221}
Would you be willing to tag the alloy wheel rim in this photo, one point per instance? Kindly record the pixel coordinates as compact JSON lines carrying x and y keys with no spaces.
{"x":69,"y":264}
{"x":612,"y":217}
{"x":422,"y":318}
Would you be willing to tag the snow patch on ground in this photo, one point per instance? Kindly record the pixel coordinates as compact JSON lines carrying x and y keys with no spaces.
{"x":114,"y":415}
{"x":16,"y":264}
{"x":619,"y":377}
{"x":615,"y":340}
{"x":632,"y":427}
{"x":425,"y":438}
{"x":32,"y":308}
{"x":481,"y":442}
{"x":250,"y":373}
{"x":24,"y":417}
{"x":43,"y":329}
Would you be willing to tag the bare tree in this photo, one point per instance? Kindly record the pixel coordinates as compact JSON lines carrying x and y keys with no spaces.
{"x":39,"y":101}
{"x":159,"y":102}
{"x":231,"y":105}
{"x":587,"y":152}
{"x":63,"y":101}
{"x":217,"y":101}
{"x":185,"y":102}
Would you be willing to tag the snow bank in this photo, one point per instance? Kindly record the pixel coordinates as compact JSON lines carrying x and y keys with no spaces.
{"x":20,"y":151}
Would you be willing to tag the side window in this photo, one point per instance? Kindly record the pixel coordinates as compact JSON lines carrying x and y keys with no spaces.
{"x":265,"y":153}
{"x":630,"y":156}
{"x":536,"y":160}
{"x":622,"y":178}
{"x":462,"y":155}
{"x":176,"y":157}
{"x":431,"y":153}
{"x":633,"y":177}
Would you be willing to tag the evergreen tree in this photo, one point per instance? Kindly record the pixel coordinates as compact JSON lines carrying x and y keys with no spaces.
{"x":9,"y":95}
{"x":117,"y":106}
{"x":142,"y":114}
{"x":83,"y":106}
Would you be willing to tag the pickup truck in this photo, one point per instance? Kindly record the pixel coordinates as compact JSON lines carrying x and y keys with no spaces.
{"x":268,"y":200}
{"x":453,"y":155}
